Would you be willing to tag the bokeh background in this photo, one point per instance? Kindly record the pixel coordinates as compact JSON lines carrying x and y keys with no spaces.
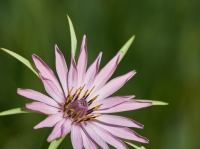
{"x":165,"y":54}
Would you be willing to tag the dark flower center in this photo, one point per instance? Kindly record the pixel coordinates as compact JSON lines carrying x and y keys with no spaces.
{"x":76,"y":107}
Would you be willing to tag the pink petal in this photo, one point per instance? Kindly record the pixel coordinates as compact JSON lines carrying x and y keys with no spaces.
{"x":76,"y":137}
{"x":110,"y":102}
{"x":57,"y":131}
{"x":92,"y":72}
{"x":61,"y":69}
{"x":45,"y":70}
{"x":108,"y":137}
{"x":82,"y":61}
{"x":41,"y":107}
{"x":126,"y":106}
{"x":28,"y":93}
{"x":106,"y":72}
{"x":52,"y":90}
{"x":87,"y":142}
{"x":123,"y":132}
{"x":113,"y":86}
{"x":119,"y":120}
{"x":72,"y":75}
{"x":90,"y":131}
{"x":66,"y":127}
{"x":50,"y":121}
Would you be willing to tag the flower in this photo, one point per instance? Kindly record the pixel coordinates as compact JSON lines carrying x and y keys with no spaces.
{"x":82,"y":105}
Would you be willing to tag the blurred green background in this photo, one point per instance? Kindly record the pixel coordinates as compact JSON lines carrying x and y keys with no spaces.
{"x":165,"y":54}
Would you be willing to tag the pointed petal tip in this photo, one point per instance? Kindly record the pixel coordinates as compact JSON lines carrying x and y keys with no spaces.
{"x":132,"y":73}
{"x":18,"y":90}
{"x":56,"y":47}
{"x":34,"y":56}
{"x":146,"y":141}
{"x":57,"y":50}
{"x":49,"y":139}
{"x":36,"y":127}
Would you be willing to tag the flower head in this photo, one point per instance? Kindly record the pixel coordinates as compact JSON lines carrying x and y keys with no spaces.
{"x":83,"y":103}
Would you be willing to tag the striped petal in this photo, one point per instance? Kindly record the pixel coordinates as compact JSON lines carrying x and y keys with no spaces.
{"x":82,"y":62}
{"x":57,"y":131}
{"x":92,"y":72}
{"x":119,"y":121}
{"x":89,"y":130}
{"x":31,"y":94}
{"x":41,"y":107}
{"x":108,"y":137}
{"x":45,"y":70}
{"x":73,"y":74}
{"x":111,"y":102}
{"x":123,"y":132}
{"x":52,"y":90}
{"x":61,"y":69}
{"x":76,"y":137}
{"x":50,"y":121}
{"x":87,"y":142}
{"x":106,"y":72}
{"x":126,"y":106}
{"x":112,"y":86}
{"x":66,"y":127}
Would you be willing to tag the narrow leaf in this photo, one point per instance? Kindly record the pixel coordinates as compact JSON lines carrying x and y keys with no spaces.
{"x":73,"y":37}
{"x":133,"y":145}
{"x":125,"y":48}
{"x":20,"y":58}
{"x":15,"y":111}
{"x":55,"y":143}
{"x":153,"y":102}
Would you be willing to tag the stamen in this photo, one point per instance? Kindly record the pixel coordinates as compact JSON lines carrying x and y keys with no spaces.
{"x":89,"y":93}
{"x":94,"y":117}
{"x":81,"y":90}
{"x":97,"y":107}
{"x":69,"y":93}
{"x":77,"y":113}
{"x":76,"y":92}
{"x":71,"y":111}
{"x":92,"y":100}
{"x":93,"y":109}
{"x":85,"y":94}
{"x":91,"y":90}
{"x":67,"y":105}
{"x":78,"y":120}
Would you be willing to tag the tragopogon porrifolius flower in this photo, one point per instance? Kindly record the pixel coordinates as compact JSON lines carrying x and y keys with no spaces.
{"x":82,"y":103}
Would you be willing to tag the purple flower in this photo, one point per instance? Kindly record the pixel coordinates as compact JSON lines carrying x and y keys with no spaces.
{"x":82,"y":104}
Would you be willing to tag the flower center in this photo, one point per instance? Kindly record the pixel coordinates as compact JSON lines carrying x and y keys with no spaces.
{"x":76,"y":106}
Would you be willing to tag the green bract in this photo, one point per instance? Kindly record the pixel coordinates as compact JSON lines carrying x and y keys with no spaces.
{"x":15,"y":111}
{"x":21,"y":59}
{"x":73,"y":37}
{"x":133,"y":145}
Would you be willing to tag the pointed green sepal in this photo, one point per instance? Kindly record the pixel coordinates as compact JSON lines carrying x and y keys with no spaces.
{"x":21,"y":59}
{"x":125,"y":48}
{"x":15,"y":111}
{"x":153,"y":102}
{"x":55,"y":143}
{"x":73,"y":37}
{"x":133,"y":145}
